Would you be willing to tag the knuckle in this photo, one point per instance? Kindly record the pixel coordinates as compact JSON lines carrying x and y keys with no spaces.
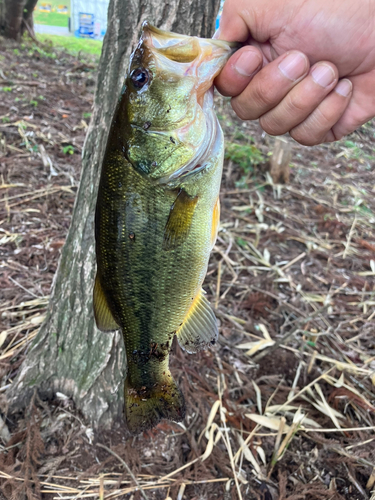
{"x":241,"y":110}
{"x":272,"y":125}
{"x":263,"y":97}
{"x":313,"y":130}
{"x":256,"y":100}
{"x":292,"y":110}
{"x":321,"y":120}
{"x":305,"y":136}
{"x":304,"y":140}
{"x":297,"y":105}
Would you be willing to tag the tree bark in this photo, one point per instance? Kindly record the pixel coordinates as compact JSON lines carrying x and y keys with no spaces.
{"x":15,"y":17}
{"x":69,"y":354}
{"x":28,"y":20}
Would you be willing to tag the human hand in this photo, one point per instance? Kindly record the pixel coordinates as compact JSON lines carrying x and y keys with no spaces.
{"x":271,"y":78}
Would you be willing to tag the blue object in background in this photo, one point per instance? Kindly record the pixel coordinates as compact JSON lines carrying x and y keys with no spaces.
{"x":97,"y":24}
{"x":86,"y":25}
{"x":217,"y":24}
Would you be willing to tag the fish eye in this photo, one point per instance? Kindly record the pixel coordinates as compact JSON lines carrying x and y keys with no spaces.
{"x":139,"y":77}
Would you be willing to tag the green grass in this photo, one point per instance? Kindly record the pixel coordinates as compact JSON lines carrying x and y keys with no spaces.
{"x":52,"y":18}
{"x":245,"y":155}
{"x":72,"y":44}
{"x":54,"y":3}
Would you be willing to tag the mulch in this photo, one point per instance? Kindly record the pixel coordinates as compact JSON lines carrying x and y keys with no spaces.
{"x":284,"y":407}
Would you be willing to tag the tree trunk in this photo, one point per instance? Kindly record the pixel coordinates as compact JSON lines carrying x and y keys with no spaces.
{"x":69,"y":354}
{"x":16,"y":16}
{"x":28,"y":20}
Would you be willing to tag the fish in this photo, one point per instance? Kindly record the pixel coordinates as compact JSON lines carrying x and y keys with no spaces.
{"x":157,"y":216}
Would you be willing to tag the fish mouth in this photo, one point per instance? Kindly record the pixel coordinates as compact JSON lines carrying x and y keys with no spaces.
{"x":168,"y":38}
{"x":202,"y":58}
{"x":168,"y":59}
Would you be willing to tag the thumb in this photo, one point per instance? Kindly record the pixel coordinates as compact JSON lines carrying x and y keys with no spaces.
{"x":246,"y":20}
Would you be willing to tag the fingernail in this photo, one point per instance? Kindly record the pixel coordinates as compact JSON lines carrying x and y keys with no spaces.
{"x":247,"y":63}
{"x":293,"y":66}
{"x":344,"y":87}
{"x":323,"y":75}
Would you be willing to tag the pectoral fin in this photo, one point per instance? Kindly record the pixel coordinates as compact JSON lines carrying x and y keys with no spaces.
{"x":179,"y":221}
{"x":199,"y":329}
{"x":103,"y":316}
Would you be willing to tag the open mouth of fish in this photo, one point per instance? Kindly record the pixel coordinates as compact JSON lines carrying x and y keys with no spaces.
{"x":202,"y":59}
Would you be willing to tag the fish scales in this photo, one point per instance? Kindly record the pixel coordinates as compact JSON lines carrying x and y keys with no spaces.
{"x":157,"y":216}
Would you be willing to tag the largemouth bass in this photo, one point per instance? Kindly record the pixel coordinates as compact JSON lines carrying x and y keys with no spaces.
{"x":157,"y":215}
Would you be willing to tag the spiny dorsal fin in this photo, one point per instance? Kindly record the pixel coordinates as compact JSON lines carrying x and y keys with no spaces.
{"x":179,"y":221}
{"x":199,"y":329}
{"x":103,"y":316}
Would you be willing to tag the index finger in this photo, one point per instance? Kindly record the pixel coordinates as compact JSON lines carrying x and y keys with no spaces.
{"x":239,"y":70}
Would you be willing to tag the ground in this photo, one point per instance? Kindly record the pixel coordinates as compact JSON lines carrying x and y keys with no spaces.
{"x":283,"y":408}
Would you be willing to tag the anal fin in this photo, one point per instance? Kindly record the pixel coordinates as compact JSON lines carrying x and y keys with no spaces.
{"x":179,"y":221}
{"x":103,"y":316}
{"x":199,"y":329}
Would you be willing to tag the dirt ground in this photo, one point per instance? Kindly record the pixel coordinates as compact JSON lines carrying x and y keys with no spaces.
{"x":284,"y":407}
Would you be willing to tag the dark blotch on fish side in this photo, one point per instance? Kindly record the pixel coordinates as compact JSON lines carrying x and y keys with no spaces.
{"x":132,"y":236}
{"x":147,"y":125}
{"x":156,"y":352}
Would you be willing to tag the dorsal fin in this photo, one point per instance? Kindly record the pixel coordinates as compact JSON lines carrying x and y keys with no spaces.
{"x":103,"y":316}
{"x":199,"y":329}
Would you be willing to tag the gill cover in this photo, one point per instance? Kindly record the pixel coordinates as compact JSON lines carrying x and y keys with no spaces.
{"x":168,"y":123}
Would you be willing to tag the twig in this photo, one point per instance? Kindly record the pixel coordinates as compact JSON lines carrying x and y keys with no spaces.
{"x":281,"y":302}
{"x":280,"y":341}
{"x":24,"y":289}
{"x":349,"y":237}
{"x":126,"y":467}
{"x":30,"y":31}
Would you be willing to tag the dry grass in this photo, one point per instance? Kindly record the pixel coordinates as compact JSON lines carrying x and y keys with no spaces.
{"x":285,"y":407}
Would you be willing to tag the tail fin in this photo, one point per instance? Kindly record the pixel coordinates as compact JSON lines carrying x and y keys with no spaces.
{"x":145,"y":407}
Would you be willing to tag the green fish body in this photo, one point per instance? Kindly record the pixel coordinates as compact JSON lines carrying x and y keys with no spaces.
{"x":157,"y":216}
